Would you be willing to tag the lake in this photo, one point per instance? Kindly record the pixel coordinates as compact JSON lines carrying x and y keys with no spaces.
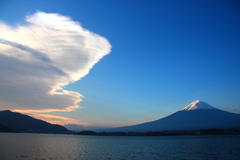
{"x":23,"y":146}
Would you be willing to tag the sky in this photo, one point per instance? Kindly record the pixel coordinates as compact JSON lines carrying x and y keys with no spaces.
{"x":114,"y":63}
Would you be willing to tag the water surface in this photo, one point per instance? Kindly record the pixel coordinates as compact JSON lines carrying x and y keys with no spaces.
{"x":22,"y":146}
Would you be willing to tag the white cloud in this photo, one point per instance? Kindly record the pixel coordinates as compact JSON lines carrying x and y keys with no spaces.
{"x":41,"y":57}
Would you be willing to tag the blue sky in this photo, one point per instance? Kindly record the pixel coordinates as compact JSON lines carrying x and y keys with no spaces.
{"x":164,"y":55}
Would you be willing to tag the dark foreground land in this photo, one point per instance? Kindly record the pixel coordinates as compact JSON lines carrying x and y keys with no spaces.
{"x":166,"y":133}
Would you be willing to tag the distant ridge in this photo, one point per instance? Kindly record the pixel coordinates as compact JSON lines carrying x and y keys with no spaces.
{"x":195,"y":116}
{"x":23,"y":123}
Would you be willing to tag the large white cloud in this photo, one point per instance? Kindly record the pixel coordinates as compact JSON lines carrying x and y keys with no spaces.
{"x":39,"y":58}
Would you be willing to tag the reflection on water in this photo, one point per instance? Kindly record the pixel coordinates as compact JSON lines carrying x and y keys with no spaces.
{"x":15,"y":146}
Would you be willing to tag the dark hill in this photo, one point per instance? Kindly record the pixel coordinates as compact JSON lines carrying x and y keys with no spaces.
{"x":5,"y":129}
{"x":24,"y":123}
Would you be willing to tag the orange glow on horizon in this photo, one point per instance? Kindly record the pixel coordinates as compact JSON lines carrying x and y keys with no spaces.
{"x":68,"y":109}
{"x":51,"y":118}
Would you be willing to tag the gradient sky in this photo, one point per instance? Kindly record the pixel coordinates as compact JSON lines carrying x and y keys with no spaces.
{"x":164,"y":55}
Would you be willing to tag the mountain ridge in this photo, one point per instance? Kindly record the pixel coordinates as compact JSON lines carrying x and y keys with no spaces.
{"x":197,"y":115}
{"x":27,"y":124}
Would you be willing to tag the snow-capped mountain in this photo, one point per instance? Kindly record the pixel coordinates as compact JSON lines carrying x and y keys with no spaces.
{"x":197,"y":105}
{"x":197,"y":115}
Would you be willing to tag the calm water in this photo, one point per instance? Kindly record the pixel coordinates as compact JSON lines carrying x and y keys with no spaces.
{"x":15,"y":146}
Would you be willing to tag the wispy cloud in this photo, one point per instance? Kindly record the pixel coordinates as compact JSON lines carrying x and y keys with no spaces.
{"x":39,"y":58}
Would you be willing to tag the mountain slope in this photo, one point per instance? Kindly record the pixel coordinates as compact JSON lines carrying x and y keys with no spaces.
{"x":5,"y":129}
{"x":197,"y":115}
{"x":27,"y":124}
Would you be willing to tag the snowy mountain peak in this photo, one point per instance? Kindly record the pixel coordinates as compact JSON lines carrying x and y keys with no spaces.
{"x":197,"y":105}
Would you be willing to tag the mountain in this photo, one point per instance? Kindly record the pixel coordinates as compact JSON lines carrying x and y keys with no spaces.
{"x":23,"y":123}
{"x":195,"y":116}
{"x":5,"y":129}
